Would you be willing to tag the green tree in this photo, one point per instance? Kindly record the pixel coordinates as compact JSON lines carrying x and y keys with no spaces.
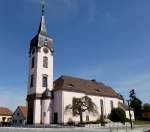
{"x":80,"y":105}
{"x":132,"y":94}
{"x":136,"y":104}
{"x":117,"y":115}
{"x":146,"y":107}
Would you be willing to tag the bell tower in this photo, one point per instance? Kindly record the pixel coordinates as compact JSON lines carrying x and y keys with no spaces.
{"x":40,"y":76}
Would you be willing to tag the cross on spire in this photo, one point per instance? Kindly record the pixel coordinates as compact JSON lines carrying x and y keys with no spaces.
{"x":43,"y":6}
{"x":42,"y":27}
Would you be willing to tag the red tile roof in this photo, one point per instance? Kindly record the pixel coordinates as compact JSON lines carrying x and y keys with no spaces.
{"x":5,"y":111}
{"x":23,"y":110}
{"x":90,"y":87}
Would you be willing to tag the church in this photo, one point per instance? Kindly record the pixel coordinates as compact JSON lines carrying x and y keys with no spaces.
{"x":47,"y":99}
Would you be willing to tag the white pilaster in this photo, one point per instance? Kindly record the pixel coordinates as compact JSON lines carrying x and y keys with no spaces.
{"x":37,"y":112}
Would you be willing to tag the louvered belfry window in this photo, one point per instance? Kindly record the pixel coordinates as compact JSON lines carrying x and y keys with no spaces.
{"x":45,"y":62}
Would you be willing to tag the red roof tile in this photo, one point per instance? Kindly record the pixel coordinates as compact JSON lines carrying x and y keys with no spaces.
{"x":5,"y":111}
{"x":23,"y":110}
{"x":91,"y":87}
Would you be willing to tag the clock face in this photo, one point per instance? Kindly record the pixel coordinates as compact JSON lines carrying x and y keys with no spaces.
{"x":45,"y":50}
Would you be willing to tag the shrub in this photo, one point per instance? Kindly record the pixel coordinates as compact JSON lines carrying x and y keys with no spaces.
{"x":117,"y":115}
{"x":70,"y":122}
{"x":127,"y":120}
{"x":100,"y":120}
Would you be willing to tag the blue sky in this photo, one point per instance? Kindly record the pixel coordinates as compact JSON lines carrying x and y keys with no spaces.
{"x":106,"y":40}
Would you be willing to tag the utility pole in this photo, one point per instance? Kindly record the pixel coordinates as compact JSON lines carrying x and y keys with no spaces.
{"x":130,"y":114}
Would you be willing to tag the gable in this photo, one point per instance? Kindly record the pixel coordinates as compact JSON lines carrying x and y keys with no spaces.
{"x":21,"y":112}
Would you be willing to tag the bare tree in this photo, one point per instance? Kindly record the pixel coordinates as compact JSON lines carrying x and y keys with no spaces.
{"x":80,"y":105}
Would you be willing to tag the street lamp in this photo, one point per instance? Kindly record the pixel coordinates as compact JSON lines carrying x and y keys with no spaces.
{"x":130,"y":113}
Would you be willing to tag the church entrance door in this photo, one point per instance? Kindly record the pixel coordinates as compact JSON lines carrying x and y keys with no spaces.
{"x":55,"y":118}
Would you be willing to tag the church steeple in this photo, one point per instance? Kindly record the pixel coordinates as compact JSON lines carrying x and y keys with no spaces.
{"x":40,"y":78}
{"x":42,"y":27}
{"x":42,"y":38}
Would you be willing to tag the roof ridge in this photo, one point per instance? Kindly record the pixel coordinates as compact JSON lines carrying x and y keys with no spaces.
{"x":22,"y":106}
{"x":81,"y":79}
{"x":96,"y":82}
{"x":5,"y":108}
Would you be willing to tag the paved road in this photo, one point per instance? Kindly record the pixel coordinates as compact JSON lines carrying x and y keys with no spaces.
{"x":72,"y":130}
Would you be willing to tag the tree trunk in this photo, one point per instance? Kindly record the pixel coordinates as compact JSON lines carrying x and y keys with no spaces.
{"x":81,"y":118}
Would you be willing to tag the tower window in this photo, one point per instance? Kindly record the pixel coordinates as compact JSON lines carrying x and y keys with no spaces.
{"x":31,"y":81}
{"x":45,"y":80}
{"x":32,"y":63}
{"x":45,"y":62}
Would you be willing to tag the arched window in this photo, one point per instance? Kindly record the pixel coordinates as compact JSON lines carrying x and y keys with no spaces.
{"x":45,"y":62}
{"x":102,"y":108}
{"x":101,"y":105}
{"x":111,"y":104}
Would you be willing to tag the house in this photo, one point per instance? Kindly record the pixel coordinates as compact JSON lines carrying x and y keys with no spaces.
{"x":46,"y":100}
{"x":126,"y":109}
{"x":5,"y":116}
{"x":146,"y":114}
{"x":19,"y":117}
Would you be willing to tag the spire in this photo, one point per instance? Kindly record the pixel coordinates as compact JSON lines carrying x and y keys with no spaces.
{"x":42,"y":27}
{"x":43,"y":7}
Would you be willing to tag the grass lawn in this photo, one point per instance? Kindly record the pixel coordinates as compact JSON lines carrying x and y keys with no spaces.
{"x":139,"y":122}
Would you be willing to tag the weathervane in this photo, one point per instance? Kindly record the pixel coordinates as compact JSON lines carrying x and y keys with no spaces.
{"x":43,"y":6}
